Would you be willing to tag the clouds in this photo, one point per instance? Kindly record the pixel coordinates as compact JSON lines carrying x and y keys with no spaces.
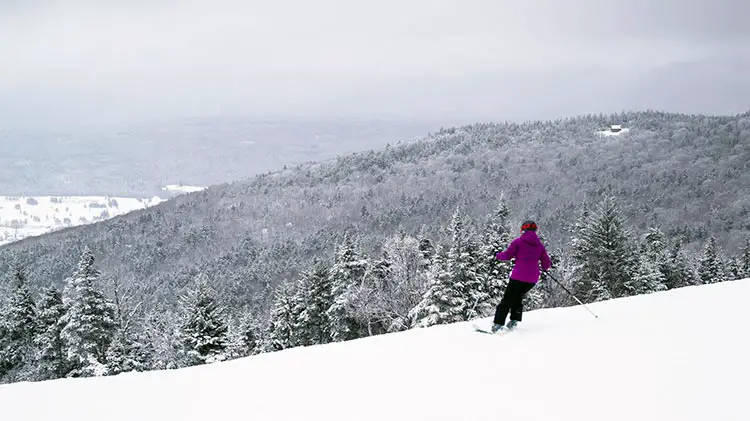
{"x":168,"y":57}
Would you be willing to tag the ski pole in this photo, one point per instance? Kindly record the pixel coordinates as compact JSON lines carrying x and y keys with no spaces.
{"x":571,"y":294}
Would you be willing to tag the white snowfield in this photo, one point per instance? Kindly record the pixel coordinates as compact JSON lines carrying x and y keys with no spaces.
{"x":677,"y":355}
{"x":182,"y":188}
{"x":27,"y":216}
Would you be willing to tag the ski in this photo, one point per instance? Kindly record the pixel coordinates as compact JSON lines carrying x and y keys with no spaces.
{"x":482,"y":330}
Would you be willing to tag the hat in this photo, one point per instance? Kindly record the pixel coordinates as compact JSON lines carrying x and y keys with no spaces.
{"x":528,"y":225}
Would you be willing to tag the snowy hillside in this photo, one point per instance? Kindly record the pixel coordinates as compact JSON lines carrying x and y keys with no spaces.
{"x":676,"y":355}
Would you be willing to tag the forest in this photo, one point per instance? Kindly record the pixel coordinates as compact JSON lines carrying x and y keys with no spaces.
{"x":414,"y":282}
{"x":381,"y":241}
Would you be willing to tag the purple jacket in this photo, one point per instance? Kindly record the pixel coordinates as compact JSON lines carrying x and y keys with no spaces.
{"x":528,"y":251}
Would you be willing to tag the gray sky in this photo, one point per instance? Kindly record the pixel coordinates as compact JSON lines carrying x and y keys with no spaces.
{"x":77,"y":61}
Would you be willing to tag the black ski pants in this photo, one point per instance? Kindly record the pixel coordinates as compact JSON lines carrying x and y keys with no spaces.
{"x":512,"y":301}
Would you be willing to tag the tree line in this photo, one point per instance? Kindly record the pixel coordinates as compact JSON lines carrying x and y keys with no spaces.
{"x":687,"y":174}
{"x":413,"y":281}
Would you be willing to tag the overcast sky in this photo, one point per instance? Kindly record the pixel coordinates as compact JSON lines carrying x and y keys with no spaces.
{"x":152,"y":59}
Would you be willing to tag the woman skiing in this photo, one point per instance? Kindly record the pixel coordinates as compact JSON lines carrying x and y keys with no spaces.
{"x":528,"y":251}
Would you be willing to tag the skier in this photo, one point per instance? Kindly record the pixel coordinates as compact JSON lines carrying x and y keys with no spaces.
{"x":528,"y":251}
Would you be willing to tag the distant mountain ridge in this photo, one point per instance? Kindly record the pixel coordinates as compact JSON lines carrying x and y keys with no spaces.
{"x":687,"y":174}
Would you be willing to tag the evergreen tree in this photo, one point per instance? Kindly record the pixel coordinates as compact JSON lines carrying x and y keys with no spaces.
{"x":129,"y":351}
{"x":610,"y":247}
{"x":89,"y":323}
{"x":243,"y":339}
{"x":426,"y":249}
{"x":709,"y":270}
{"x":5,"y":364}
{"x":203,"y":330}
{"x":456,"y":290}
{"x":386,"y":283}
{"x":535,"y":298}
{"x":443,"y":302}
{"x":655,"y":249}
{"x":649,"y":278}
{"x":21,"y":329}
{"x":654,"y":244}
{"x":282,"y":320}
{"x":314,"y":299}
{"x":470,"y":268}
{"x":680,"y":272}
{"x":249,"y":334}
{"x":346,"y":275}
{"x":497,"y":237}
{"x":51,"y":360}
{"x":586,"y":282}
{"x":464,"y":268}
{"x":733,"y":271}
{"x":745,"y":260}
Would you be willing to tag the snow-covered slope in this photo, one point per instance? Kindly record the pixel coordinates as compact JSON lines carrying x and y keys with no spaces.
{"x":677,"y":355}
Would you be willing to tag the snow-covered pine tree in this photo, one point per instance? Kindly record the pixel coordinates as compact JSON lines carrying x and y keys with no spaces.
{"x":89,"y":322}
{"x":4,"y":348}
{"x":282,"y":320}
{"x":610,"y":248}
{"x":464,"y":264}
{"x":250,"y":334}
{"x":243,"y":337}
{"x":203,"y":329}
{"x":745,"y":260}
{"x":655,"y":249}
{"x":649,"y":278}
{"x":497,"y":237}
{"x":346,"y":275}
{"x":315,"y":297}
{"x":21,"y":329}
{"x":586,"y":282}
{"x":455,"y":289}
{"x":51,"y":359}
{"x":709,"y":269}
{"x":442,"y":302}
{"x":680,"y":269}
{"x":129,"y":351}
{"x":426,"y":249}
{"x":732,"y":272}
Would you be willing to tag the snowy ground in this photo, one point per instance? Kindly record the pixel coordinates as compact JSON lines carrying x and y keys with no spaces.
{"x":25,"y":216}
{"x":677,"y":355}
{"x":608,"y":133}
{"x":182,"y":188}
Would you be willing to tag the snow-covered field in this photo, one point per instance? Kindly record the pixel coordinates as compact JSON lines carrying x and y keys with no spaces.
{"x":182,"y":188}
{"x":608,"y":133}
{"x":25,"y":216}
{"x":677,"y":355}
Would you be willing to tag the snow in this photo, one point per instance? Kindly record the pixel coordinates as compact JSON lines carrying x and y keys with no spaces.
{"x":608,"y":133}
{"x":25,"y":216}
{"x":674,"y":355}
{"x":182,"y":188}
